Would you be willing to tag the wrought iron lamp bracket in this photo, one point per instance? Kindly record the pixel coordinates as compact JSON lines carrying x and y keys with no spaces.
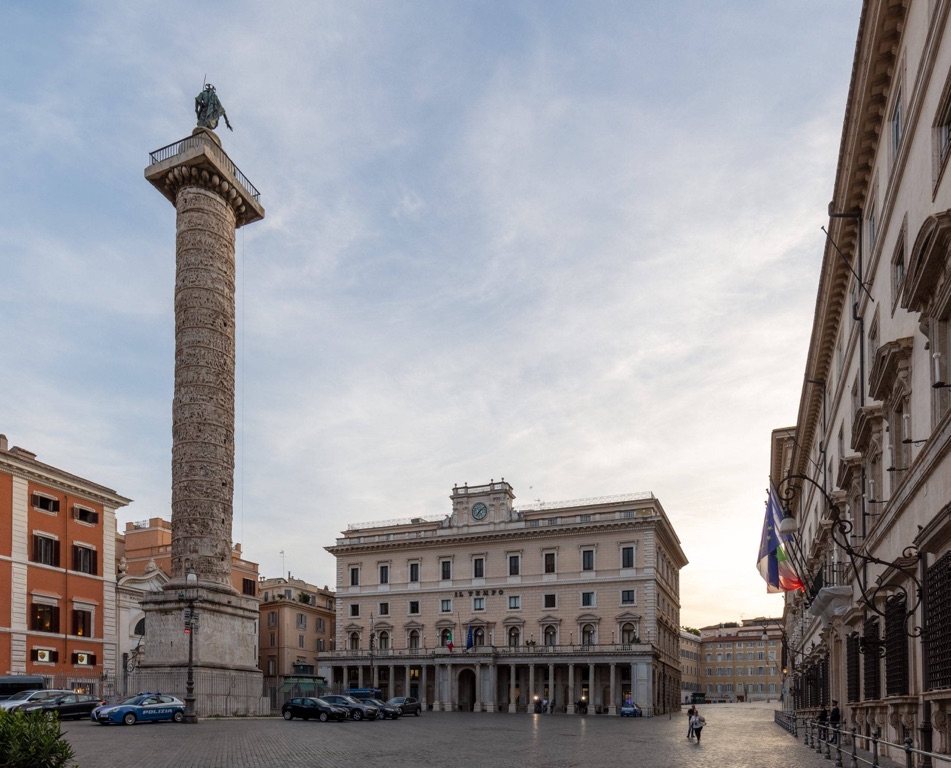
{"x":840,"y":530}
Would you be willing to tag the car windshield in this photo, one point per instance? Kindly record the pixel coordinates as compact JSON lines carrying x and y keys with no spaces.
{"x":350,"y":700}
{"x":133,"y":700}
{"x":21,"y":695}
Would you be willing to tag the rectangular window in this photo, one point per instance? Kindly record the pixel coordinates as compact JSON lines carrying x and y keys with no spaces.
{"x":627,"y":597}
{"x":44,"y":618}
{"x":514,"y":563}
{"x":354,"y":609}
{"x":478,"y":603}
{"x":897,"y":124}
{"x":82,"y":623}
{"x":320,"y":644}
{"x":587,"y":559}
{"x":551,"y":601}
{"x":302,"y":621}
{"x":44,"y":655}
{"x":384,"y":574}
{"x":478,"y":568}
{"x":872,"y":228}
{"x":445,"y":569}
{"x":45,"y":550}
{"x":272,"y":619}
{"x":445,"y":606}
{"x":248,"y":587}
{"x":515,"y":602}
{"x":587,"y":599}
{"x":355,"y":576}
{"x":300,"y":641}
{"x":44,"y":503}
{"x":384,"y":609}
{"x":273,"y":638}
{"x":413,"y":607}
{"x":321,"y":625}
{"x":627,"y":557}
{"x":414,"y":572}
{"x":84,"y":515}
{"x":549,"y":562}
{"x":84,"y":559}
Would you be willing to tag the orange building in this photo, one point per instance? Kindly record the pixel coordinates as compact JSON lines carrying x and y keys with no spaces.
{"x":57,"y":573}
{"x":151,"y":542}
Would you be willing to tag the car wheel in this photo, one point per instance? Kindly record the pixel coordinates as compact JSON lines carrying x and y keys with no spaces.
{"x":357,"y":714}
{"x":418,"y":713}
{"x":129,"y":718}
{"x":178,"y":717}
{"x":324,"y":717}
{"x":288,"y":715}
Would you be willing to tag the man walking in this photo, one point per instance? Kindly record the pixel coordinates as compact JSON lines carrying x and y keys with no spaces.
{"x":835,"y":718}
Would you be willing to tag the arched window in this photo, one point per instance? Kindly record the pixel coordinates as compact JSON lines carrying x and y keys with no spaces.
{"x":551,"y":636}
{"x":629,"y":633}
{"x":414,"y":638}
{"x":139,"y":627}
{"x":354,"y":641}
{"x":478,"y":637}
{"x":513,"y":637}
{"x":587,"y":634}
{"x":384,"y":641}
{"x":444,"y":637}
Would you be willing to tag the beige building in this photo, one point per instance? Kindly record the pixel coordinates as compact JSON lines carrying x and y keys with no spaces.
{"x":690,"y":669}
{"x":742,"y":661}
{"x":865,"y":472}
{"x":297,"y":628}
{"x":493,"y":606}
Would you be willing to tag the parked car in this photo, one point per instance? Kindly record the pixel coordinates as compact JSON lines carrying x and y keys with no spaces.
{"x":407,"y":704}
{"x":358,"y":710}
{"x":18,"y":700}
{"x":386,"y":710}
{"x":307,"y":707}
{"x":630,"y":709}
{"x":69,"y":705}
{"x":148,"y":707}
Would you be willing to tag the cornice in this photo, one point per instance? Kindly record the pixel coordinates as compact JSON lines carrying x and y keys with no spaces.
{"x":44,"y":474}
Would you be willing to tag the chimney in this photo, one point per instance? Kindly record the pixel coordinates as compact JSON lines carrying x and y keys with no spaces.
{"x":3,"y":442}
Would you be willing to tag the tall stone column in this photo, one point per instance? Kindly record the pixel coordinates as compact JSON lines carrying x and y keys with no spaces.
{"x":212,"y":198}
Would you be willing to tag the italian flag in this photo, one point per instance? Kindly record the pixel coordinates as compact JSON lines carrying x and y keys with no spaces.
{"x":449,"y":643}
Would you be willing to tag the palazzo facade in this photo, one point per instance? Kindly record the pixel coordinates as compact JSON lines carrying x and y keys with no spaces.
{"x":494,"y":608}
{"x":865,"y":471}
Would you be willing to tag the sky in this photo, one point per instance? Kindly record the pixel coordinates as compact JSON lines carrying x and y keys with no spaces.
{"x":574,"y":245}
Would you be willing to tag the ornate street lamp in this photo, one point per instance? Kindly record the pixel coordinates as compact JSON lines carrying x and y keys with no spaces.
{"x":191,"y":624}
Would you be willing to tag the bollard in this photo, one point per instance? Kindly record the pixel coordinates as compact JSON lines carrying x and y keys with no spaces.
{"x":805,"y":732}
{"x":817,"y":738}
{"x":908,"y":752}
{"x":828,"y":755}
{"x":854,"y":763}
{"x":875,"y":748}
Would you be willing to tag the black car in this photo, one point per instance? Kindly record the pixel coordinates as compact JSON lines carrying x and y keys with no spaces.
{"x":69,"y":705}
{"x":359,"y":710}
{"x":407,"y":704}
{"x":307,"y":707}
{"x":385,"y":710}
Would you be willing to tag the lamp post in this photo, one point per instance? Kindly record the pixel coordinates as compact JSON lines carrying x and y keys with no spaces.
{"x":372,"y":681}
{"x":191,"y":624}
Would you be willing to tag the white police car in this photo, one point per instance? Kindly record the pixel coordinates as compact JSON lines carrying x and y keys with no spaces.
{"x":147,"y":707}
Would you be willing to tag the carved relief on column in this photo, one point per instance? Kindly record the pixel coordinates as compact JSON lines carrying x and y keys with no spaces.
{"x":203,"y":407}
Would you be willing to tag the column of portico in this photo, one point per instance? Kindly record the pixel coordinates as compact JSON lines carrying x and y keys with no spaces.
{"x":591,"y":686}
{"x":492,"y":705}
{"x":391,"y":682}
{"x":360,"y":676}
{"x":531,"y":687}
{"x":572,"y":698}
{"x":612,"y":707}
{"x":343,"y":681}
{"x":477,"y":705}
{"x":513,"y":705}
{"x":422,"y":694}
{"x":551,"y":682}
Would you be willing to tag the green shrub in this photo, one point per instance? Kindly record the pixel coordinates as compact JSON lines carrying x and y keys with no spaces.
{"x":32,"y":741}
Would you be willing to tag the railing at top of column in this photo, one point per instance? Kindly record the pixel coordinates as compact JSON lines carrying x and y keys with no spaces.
{"x":190,"y":142}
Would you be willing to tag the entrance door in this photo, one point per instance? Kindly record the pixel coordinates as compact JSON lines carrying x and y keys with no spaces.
{"x":467,"y":690}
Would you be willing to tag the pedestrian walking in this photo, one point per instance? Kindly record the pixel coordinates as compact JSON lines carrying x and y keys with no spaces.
{"x":697,"y":723}
{"x":690,"y":713}
{"x":835,"y":717}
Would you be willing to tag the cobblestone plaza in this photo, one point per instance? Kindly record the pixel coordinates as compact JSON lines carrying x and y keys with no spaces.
{"x":736,"y":735}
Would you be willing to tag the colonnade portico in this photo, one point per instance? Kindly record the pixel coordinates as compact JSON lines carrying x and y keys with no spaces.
{"x":508,"y":680}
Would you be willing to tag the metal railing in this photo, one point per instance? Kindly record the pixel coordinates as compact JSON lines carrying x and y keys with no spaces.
{"x":827,"y":741}
{"x":192,"y":142}
{"x":528,"y":649}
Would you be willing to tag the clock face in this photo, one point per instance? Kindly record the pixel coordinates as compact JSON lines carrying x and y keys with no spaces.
{"x":479,"y":511}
